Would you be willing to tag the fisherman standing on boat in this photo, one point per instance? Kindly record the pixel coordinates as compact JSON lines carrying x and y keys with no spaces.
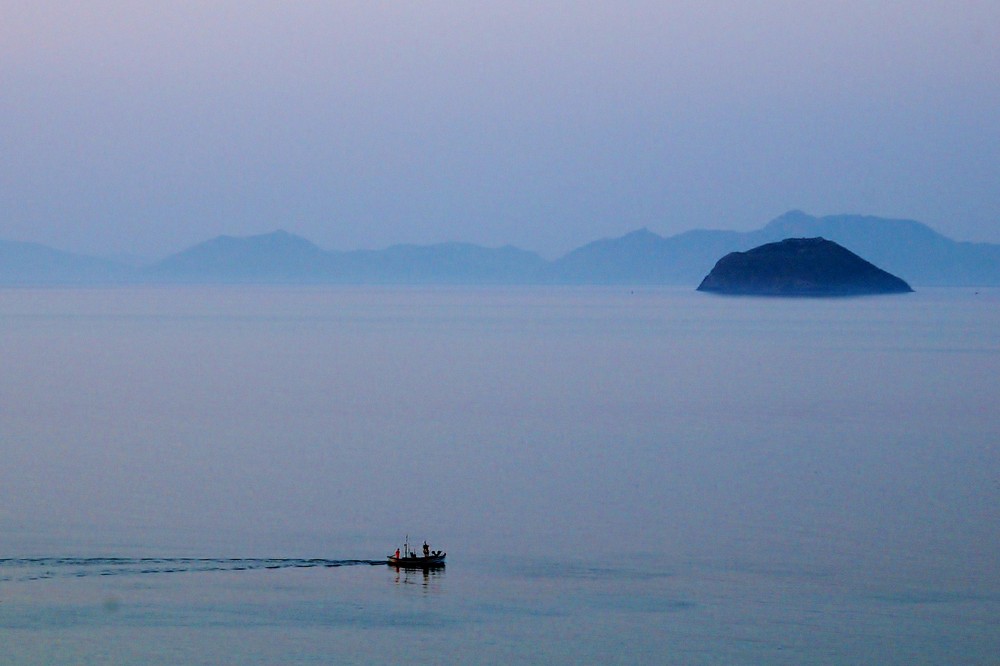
{"x":427,"y":550}
{"x":397,"y":553}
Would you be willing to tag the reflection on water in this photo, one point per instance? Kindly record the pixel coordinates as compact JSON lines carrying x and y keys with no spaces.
{"x":428,"y":578}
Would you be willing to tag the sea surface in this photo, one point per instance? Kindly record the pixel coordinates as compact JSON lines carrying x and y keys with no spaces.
{"x":208,"y":475}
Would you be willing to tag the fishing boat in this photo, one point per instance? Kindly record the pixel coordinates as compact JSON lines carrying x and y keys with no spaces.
{"x":409,"y":559}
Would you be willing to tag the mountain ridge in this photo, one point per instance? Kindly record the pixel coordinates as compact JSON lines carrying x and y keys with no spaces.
{"x":907,"y":248}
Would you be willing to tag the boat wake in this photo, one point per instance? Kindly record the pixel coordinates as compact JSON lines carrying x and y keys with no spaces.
{"x":40,"y":568}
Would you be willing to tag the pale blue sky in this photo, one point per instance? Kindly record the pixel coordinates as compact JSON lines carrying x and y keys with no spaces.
{"x":141,"y":127}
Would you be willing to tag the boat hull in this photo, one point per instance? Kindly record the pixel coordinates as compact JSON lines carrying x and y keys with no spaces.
{"x":416,"y":562}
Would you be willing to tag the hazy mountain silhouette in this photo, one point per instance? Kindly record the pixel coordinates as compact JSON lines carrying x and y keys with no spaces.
{"x":800,"y":267}
{"x":643,"y":257}
{"x":906,"y":248}
{"x":283,"y":257}
{"x":903,"y":246}
{"x":277,"y":256}
{"x":31,"y":263}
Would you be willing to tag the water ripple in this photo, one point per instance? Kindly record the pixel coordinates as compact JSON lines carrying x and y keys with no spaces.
{"x":41,"y":568}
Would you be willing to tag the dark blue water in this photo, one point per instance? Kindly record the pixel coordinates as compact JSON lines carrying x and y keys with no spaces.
{"x":632,"y":476}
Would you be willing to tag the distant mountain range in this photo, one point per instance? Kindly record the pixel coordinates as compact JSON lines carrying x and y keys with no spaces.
{"x":906,"y":248}
{"x":31,"y":263}
{"x":283,"y":257}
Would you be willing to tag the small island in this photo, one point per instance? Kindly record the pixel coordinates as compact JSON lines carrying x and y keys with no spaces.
{"x":800,"y":267}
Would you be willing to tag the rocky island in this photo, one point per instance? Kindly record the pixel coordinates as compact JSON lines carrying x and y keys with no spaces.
{"x":800,"y":267}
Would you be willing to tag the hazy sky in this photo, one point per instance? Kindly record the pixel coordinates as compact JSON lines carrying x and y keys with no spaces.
{"x":144,"y":127}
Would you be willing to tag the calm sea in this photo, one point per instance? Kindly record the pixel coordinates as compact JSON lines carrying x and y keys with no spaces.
{"x":205,"y":475}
